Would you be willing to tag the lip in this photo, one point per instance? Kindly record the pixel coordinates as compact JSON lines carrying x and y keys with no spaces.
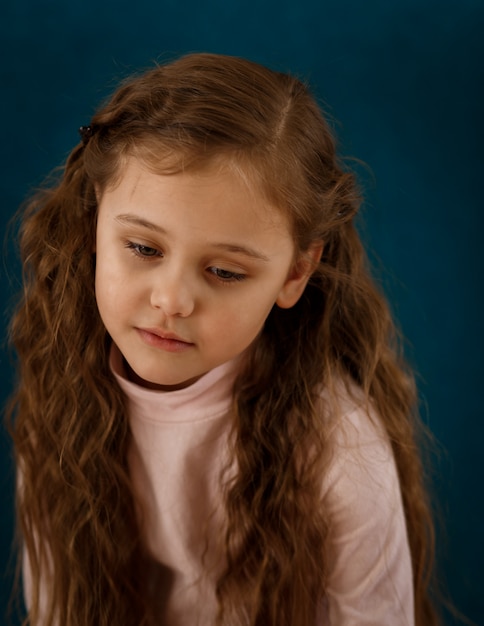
{"x":164,"y":340}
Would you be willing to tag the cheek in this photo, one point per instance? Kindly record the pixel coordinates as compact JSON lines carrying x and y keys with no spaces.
{"x":242,"y":322}
{"x":110,"y":272}
{"x":109,"y":293}
{"x":103,"y":284}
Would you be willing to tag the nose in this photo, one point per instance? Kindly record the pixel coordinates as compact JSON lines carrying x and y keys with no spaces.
{"x":173,"y":294}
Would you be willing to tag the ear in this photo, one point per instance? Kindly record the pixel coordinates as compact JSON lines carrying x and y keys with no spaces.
{"x":299,"y":275}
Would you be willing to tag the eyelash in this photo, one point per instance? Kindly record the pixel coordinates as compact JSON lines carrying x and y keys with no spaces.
{"x":230,"y":277}
{"x":136,"y":249}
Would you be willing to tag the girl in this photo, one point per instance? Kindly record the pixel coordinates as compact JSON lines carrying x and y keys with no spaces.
{"x":212,"y":422}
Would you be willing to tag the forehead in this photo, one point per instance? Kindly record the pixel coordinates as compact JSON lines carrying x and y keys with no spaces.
{"x":256,"y":171}
{"x":220,"y":190}
{"x":236,"y":171}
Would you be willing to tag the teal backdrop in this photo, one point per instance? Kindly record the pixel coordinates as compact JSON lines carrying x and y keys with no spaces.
{"x":404,"y":80}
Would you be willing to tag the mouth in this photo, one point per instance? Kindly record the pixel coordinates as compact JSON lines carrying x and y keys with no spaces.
{"x":164,"y":340}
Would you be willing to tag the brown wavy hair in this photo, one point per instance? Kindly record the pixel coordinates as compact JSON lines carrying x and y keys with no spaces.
{"x":76,"y":511}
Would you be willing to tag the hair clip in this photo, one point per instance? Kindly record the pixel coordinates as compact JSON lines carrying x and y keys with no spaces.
{"x":86,"y":134}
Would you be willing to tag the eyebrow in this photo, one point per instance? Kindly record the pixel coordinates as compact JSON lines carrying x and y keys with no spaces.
{"x":129,"y":218}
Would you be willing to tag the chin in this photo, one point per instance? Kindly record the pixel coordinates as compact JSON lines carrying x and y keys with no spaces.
{"x":145,"y":379}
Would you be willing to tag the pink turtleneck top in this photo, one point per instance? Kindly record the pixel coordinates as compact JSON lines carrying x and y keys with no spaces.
{"x":179,"y":446}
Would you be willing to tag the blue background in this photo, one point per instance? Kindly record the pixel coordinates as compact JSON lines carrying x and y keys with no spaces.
{"x":404,"y":79}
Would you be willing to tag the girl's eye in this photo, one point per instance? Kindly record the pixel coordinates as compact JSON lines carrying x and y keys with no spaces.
{"x":226,"y":276}
{"x":143,"y":251}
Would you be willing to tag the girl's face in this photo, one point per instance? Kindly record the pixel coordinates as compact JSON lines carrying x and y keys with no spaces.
{"x":188,"y":267}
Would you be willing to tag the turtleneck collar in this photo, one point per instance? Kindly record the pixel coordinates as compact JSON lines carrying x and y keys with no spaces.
{"x":207,"y":398}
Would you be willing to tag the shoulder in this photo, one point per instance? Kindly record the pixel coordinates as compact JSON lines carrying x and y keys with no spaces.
{"x":360,"y":449}
{"x":369,"y":564}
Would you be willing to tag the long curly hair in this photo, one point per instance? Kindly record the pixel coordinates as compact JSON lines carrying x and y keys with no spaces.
{"x":76,"y":509}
